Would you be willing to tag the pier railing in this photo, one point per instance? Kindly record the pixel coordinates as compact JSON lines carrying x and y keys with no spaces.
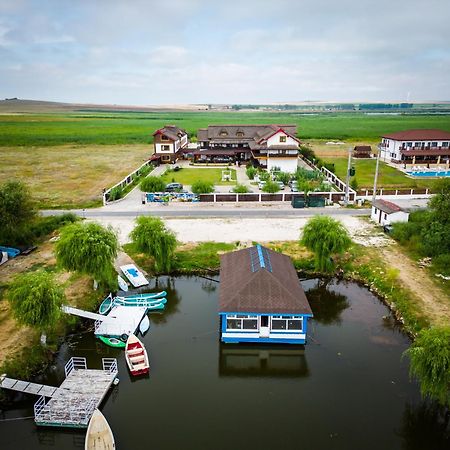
{"x":75,"y":363}
{"x":110,"y":366}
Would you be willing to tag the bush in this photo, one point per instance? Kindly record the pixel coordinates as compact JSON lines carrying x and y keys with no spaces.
{"x":115,"y":193}
{"x":152,"y":184}
{"x":354,"y":184}
{"x":441,"y":264}
{"x":46,"y":225}
{"x":240,"y":189}
{"x":202,"y":187}
{"x":284,"y":177}
{"x":144,"y":171}
{"x":271,"y":187}
{"x":263,"y":175}
{"x":404,"y":231}
{"x":251,"y":172}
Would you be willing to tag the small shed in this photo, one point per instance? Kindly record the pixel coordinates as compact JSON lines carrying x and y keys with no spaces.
{"x":386,"y":213}
{"x":362,"y":151}
{"x":261,"y":298}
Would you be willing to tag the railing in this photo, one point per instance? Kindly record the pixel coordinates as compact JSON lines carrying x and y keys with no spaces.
{"x":164,"y":197}
{"x":74,"y":413}
{"x":110,"y":366}
{"x":75,"y":363}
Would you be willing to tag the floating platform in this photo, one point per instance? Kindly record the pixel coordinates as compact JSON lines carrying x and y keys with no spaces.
{"x":74,"y":402}
{"x":125,"y":321}
{"x":134,"y":275}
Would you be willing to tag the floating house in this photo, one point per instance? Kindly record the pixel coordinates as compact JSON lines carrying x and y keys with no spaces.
{"x":261,"y":298}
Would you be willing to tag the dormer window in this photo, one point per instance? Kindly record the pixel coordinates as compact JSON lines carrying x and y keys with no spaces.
{"x":240,"y":134}
{"x":282,"y":138}
{"x":223,"y":133}
{"x":164,"y":137}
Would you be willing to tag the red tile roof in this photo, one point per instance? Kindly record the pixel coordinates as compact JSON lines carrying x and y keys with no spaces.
{"x":419,"y":135}
{"x":387,"y":207}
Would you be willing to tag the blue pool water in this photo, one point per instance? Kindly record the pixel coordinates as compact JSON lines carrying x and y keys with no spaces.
{"x":429,"y":173}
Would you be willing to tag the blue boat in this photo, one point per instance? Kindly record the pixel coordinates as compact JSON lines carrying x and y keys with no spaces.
{"x":149,"y":296}
{"x":106,"y":305}
{"x":12,"y":252}
{"x":150,"y":304}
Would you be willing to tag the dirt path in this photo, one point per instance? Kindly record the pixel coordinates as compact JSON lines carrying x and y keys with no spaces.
{"x":433,"y":301}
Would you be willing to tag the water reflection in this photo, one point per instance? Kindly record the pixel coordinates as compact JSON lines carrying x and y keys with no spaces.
{"x":425,"y":426}
{"x":262,"y":361}
{"x":174,"y":298}
{"x":327,"y":305}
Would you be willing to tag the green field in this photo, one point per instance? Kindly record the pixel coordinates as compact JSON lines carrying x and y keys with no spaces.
{"x":188,"y":176}
{"x":388,"y":177}
{"x":130,"y":128}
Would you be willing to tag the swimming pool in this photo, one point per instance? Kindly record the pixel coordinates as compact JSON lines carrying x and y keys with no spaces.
{"x":430,"y":173}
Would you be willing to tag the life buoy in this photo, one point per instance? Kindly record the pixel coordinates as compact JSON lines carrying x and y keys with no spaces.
{"x":124,"y":337}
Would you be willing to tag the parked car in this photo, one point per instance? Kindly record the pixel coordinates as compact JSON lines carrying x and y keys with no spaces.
{"x":174,"y":187}
{"x":387,"y":228}
{"x":292,"y":183}
{"x":261,"y":184}
{"x":281,"y":184}
{"x":294,"y":188}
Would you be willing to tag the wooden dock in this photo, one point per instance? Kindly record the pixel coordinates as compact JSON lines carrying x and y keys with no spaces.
{"x":74,"y":402}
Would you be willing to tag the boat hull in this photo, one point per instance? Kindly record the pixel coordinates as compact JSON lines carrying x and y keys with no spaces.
{"x":99,"y":435}
{"x":136,"y":357}
{"x":112,"y":342}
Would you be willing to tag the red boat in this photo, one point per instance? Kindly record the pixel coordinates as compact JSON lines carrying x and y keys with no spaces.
{"x":136,"y":356}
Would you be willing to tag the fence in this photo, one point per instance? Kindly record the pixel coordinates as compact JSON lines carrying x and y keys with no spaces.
{"x":417,"y":193}
{"x":126,"y":181}
{"x":164,"y":197}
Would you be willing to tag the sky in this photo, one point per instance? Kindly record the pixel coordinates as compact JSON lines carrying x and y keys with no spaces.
{"x":144,"y":52}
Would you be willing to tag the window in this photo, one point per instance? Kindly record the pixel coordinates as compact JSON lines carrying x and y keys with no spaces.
{"x":434,"y":144}
{"x":242,"y":322}
{"x":164,"y":138}
{"x":445,"y":144}
{"x":385,"y":216}
{"x":165,"y":158}
{"x":223,"y":133}
{"x":409,"y":144}
{"x":282,"y":138}
{"x":240,"y":134}
{"x":375,"y":210}
{"x":417,"y":144}
{"x":165,"y":148}
{"x":286,"y":323}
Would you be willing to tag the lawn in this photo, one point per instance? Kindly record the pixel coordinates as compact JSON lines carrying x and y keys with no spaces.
{"x":70,"y":176}
{"x":188,"y":176}
{"x":388,"y":177}
{"x":133,"y":127}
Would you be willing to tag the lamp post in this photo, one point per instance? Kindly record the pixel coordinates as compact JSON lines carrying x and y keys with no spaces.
{"x":347,"y":181}
{"x":374,"y":195}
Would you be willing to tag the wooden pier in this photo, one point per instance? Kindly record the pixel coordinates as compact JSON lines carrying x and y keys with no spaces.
{"x":74,"y":402}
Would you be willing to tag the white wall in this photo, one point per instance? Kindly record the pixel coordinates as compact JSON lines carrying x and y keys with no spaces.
{"x":158,"y":148}
{"x":275,"y":140}
{"x":285,"y":164}
{"x":387,"y":219}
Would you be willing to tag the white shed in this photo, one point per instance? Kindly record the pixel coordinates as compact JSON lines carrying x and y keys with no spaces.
{"x":386,"y":213}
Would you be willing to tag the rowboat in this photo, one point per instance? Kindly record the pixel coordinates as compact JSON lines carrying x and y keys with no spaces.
{"x":136,"y":356}
{"x":147,"y":296}
{"x":112,"y":342}
{"x":122,"y":283}
{"x":144,"y":325}
{"x":134,"y":275}
{"x":106,"y":305}
{"x":99,"y":435}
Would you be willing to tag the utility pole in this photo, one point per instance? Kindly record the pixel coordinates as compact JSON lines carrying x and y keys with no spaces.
{"x":374,"y":196}
{"x":347,"y":182}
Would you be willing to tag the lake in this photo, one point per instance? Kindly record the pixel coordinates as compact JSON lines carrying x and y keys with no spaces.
{"x":348,"y":388}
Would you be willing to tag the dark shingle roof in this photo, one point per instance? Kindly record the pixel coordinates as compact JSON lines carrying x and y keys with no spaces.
{"x":171,"y":131}
{"x":387,"y":207}
{"x":419,"y":135}
{"x":242,"y":132}
{"x":260,"y":280}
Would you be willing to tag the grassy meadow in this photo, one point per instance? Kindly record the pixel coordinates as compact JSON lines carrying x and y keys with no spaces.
{"x":132,"y":128}
{"x":189,"y":175}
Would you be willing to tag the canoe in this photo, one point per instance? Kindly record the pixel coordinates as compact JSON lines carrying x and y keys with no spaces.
{"x":136,"y":356}
{"x":99,"y":435}
{"x":147,"y":296}
{"x":144,"y":325}
{"x":12,"y":252}
{"x":112,"y":342}
{"x":106,"y":305}
{"x":122,"y":283}
{"x":157,"y":306}
{"x":134,"y":275}
{"x":138,"y":302}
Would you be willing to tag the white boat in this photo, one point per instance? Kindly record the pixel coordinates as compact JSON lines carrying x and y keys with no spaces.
{"x":122,"y":283}
{"x":3,"y":257}
{"x":136,"y":356}
{"x":144,"y":325}
{"x":99,"y":435}
{"x":134,"y":275}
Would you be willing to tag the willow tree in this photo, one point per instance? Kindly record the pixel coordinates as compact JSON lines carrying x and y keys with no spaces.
{"x":325,"y":237}
{"x":36,"y":301}
{"x":88,"y":248}
{"x":151,"y":237}
{"x":430,"y":363}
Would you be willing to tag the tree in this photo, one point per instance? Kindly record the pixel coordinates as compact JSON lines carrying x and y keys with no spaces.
{"x":36,"y":301}
{"x":16,"y":211}
{"x":150,"y":236}
{"x":325,"y":237}
{"x":90,"y":249}
{"x":271,"y":187}
{"x":251,"y":172}
{"x":430,"y":363}
{"x":202,"y":187}
{"x":152,"y":184}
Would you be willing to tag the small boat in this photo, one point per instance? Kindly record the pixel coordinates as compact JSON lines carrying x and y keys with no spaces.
{"x":99,"y":435}
{"x":12,"y":252}
{"x":139,"y":302}
{"x":112,"y":342}
{"x":156,"y":306}
{"x":144,"y":325}
{"x":136,"y":356}
{"x":147,"y":296}
{"x":134,"y":275}
{"x":122,"y":283}
{"x":106,"y":305}
{"x":3,"y":257}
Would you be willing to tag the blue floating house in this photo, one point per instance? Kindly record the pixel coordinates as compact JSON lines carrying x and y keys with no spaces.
{"x":261,"y":298}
